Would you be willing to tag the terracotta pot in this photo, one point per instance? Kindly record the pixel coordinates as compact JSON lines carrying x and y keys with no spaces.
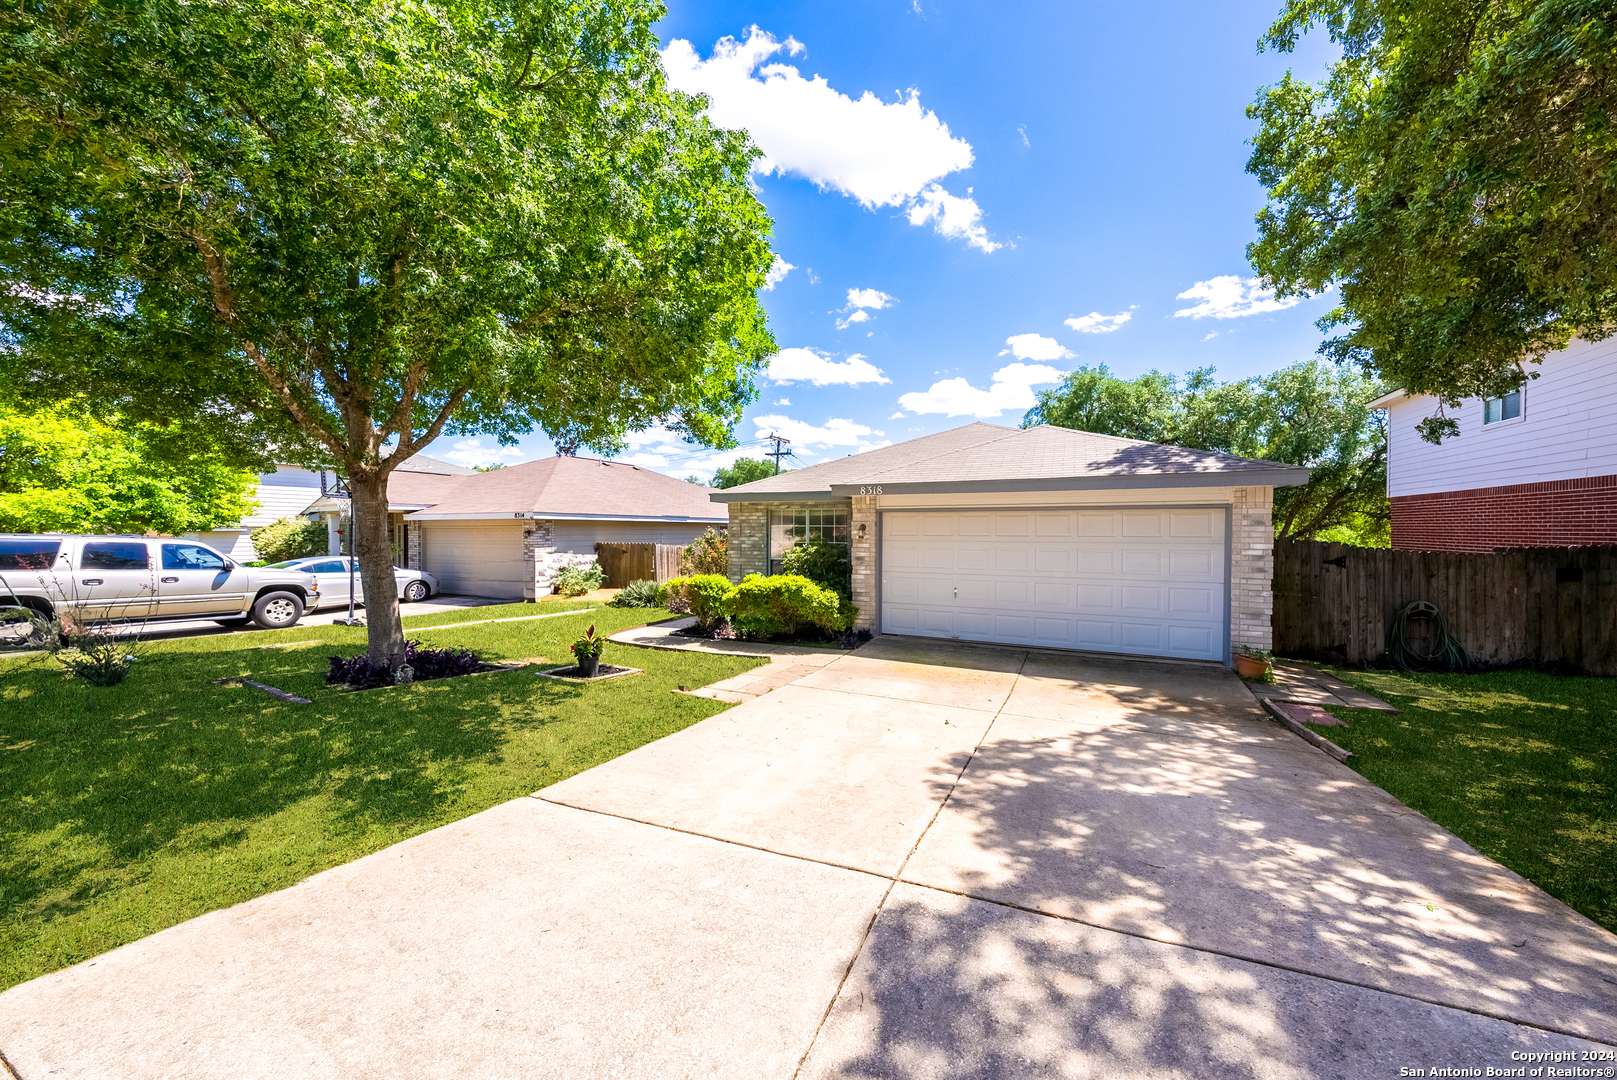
{"x":1250,"y":667}
{"x":588,"y":666}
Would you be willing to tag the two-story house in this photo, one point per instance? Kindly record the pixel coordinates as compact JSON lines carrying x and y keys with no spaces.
{"x":1535,"y":468}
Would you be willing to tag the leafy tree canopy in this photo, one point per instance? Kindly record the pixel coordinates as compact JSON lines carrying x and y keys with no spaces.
{"x":1455,"y":176}
{"x":61,"y":471}
{"x":344,"y":227}
{"x":1310,"y":414}
{"x":744,"y":471}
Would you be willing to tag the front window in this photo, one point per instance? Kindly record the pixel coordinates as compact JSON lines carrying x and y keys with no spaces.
{"x":788,"y":527}
{"x":1509,"y":407}
{"x":191,"y":557}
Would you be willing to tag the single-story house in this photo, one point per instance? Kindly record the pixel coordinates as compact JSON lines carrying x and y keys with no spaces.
{"x":506,"y":533}
{"x":1041,"y":536}
{"x":1534,"y":468}
{"x":416,"y":484}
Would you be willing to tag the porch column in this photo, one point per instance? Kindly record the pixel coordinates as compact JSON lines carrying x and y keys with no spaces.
{"x":863,"y":542}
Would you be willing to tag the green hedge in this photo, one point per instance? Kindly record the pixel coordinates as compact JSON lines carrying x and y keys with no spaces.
{"x":290,"y":538}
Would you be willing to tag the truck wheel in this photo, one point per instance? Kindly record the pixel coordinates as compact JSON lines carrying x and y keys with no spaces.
{"x":277,"y":610}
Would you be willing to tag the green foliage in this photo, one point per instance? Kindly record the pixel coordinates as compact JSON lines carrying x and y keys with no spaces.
{"x":577,"y":580}
{"x":62,"y":471}
{"x":783,"y":605}
{"x":290,"y":538}
{"x":823,"y":562}
{"x":707,"y":554}
{"x":637,"y":594}
{"x":743,"y":471}
{"x":343,"y":227}
{"x":705,"y":596}
{"x":1312,"y":414}
{"x":1455,"y":176}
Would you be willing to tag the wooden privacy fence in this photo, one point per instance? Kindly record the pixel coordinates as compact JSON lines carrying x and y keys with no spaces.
{"x":1555,"y":607}
{"x":624,"y":563}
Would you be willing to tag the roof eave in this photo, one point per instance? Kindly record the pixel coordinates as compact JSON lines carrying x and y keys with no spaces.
{"x":1291,"y":477}
{"x":1389,"y":398}
{"x":540,"y":515}
{"x":737,"y":495}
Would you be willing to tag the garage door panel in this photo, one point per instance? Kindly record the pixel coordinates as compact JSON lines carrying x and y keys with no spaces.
{"x":476,"y":558}
{"x":1132,"y":580}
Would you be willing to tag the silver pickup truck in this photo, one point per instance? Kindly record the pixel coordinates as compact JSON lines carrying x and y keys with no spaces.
{"x":105,"y":578}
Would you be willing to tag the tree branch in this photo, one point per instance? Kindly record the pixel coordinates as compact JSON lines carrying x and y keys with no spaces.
{"x":409,"y":447}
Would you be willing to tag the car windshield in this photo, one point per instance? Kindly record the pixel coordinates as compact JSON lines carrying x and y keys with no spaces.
{"x":286,"y":564}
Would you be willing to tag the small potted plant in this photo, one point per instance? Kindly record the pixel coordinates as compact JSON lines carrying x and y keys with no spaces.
{"x":1253,"y":663}
{"x":587,"y":651}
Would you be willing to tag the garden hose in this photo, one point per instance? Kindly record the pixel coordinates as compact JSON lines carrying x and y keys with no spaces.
{"x":1445,"y":652}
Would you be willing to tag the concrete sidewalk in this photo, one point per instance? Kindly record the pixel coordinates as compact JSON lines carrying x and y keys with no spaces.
{"x":916,"y":860}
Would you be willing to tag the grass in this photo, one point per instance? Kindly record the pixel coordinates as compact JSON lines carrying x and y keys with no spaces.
{"x":132,"y":808}
{"x":550,"y":605}
{"x":1521,"y":765}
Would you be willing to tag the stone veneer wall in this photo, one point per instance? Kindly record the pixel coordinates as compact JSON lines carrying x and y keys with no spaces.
{"x":864,"y":538}
{"x":544,"y":561}
{"x":412,"y":544}
{"x":1252,"y":567}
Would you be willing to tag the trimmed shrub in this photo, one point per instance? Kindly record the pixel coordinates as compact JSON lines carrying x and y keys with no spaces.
{"x":784,"y":605}
{"x":637,"y":594}
{"x":361,"y":671}
{"x":825,"y":563}
{"x":579,"y":579}
{"x":290,"y":538}
{"x":705,"y":596}
{"x":707,"y":554}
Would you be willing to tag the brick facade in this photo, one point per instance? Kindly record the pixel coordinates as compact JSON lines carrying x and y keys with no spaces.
{"x":544,"y":561}
{"x":1252,"y":567}
{"x":748,"y":550}
{"x":1554,"y":513}
{"x":864,"y":538}
{"x":412,"y":544}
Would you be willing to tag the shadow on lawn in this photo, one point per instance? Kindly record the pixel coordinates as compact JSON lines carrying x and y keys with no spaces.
{"x":167,"y":760}
{"x":1225,"y":834}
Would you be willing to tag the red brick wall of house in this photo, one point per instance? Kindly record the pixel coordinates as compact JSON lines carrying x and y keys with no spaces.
{"x":1555,"y":513}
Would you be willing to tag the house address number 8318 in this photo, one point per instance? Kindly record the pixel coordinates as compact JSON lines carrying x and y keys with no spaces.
{"x":874,"y":489}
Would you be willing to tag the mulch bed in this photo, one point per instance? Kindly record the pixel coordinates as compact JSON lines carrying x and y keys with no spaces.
{"x":570,"y":673}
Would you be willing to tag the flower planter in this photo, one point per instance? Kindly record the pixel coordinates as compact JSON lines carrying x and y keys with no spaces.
{"x":588,"y":666}
{"x":1250,"y":667}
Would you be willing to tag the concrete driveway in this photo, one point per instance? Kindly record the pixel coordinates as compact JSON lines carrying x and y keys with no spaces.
{"x":916,"y":860}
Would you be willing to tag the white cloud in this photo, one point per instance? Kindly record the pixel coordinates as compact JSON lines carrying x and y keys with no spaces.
{"x":859,"y":316}
{"x":1010,"y":389}
{"x":799,"y":364}
{"x":881,"y":153}
{"x":805,"y":437}
{"x":957,"y":217}
{"x":1034,"y":347}
{"x":1097,"y":323}
{"x":1210,"y":335}
{"x":783,"y":401}
{"x":472,"y":453}
{"x":874,"y":299}
{"x":777,"y":273}
{"x":1230,"y":296}
{"x":1021,"y":131}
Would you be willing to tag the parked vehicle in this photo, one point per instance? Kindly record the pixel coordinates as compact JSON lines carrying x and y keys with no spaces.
{"x":331,"y":571}
{"x":121,"y":578}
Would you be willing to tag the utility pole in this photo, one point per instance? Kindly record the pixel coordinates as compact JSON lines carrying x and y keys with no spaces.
{"x":779,"y":451}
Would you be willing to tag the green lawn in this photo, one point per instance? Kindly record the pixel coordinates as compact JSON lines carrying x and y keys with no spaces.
{"x":136,"y":807}
{"x":1521,"y":765}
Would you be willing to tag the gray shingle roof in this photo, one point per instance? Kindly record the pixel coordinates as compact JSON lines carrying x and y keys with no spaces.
{"x":986,"y":457}
{"x":573,"y":487}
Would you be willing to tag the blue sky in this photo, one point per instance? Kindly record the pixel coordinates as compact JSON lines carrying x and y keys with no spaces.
{"x":971,"y":198}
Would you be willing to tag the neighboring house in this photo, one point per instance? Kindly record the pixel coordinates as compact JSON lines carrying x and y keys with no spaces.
{"x":506,"y":533}
{"x":1536,"y":468}
{"x":289,"y":491}
{"x":1043,"y":536}
{"x":416,"y":484}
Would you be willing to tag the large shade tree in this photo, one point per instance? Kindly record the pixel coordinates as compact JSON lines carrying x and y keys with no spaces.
{"x":1455,"y":175}
{"x":1313,"y":414}
{"x":341,"y":228}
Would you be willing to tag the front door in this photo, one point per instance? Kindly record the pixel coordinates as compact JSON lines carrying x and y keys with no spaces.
{"x":193,"y":579}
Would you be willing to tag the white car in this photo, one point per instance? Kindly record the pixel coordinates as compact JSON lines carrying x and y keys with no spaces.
{"x":331,"y":571}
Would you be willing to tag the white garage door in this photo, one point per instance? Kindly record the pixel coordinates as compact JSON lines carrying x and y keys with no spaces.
{"x":1144,"y":581}
{"x":476,"y":558}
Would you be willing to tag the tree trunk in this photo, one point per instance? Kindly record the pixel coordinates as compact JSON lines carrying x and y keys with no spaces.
{"x":373,"y":546}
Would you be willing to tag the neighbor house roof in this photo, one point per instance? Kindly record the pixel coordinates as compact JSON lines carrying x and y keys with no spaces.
{"x":419,"y":482}
{"x":572,"y":488}
{"x":986,"y":457}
